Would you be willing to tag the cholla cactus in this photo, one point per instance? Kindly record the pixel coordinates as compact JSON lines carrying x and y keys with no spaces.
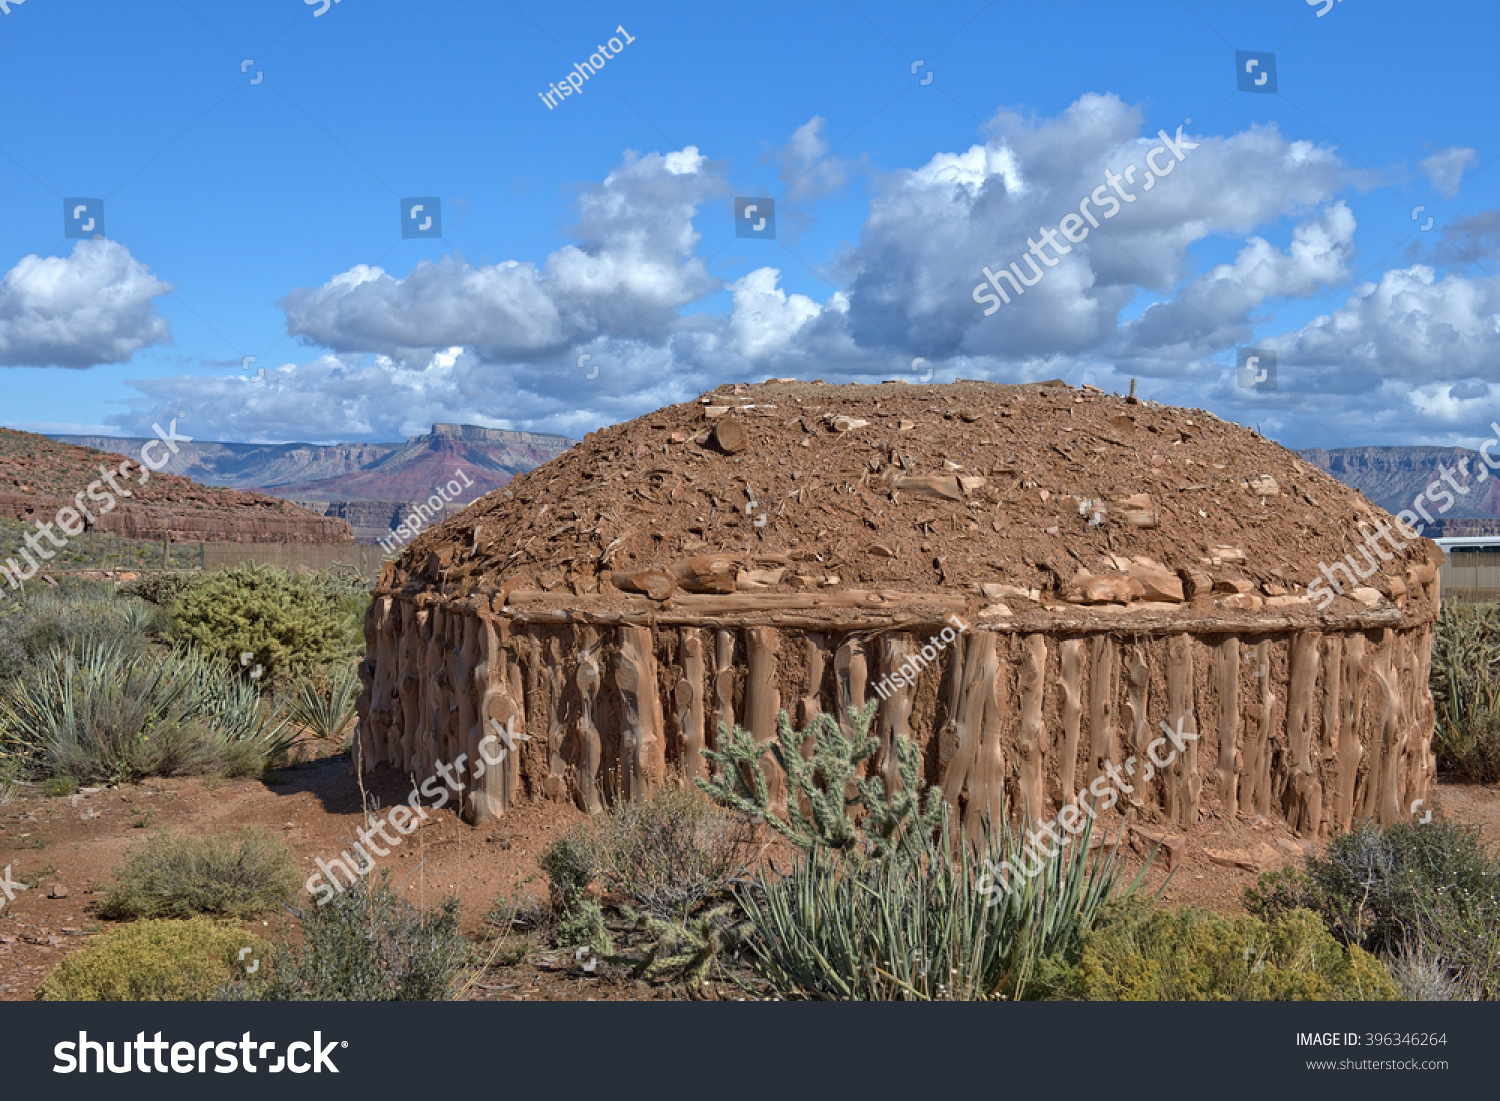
{"x":829,"y":784}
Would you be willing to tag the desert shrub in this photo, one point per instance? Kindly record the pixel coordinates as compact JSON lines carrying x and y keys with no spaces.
{"x":74,"y":616}
{"x":1135,"y":953}
{"x":108,"y":714}
{"x":1466,"y":691}
{"x":1406,"y":890}
{"x":367,"y":945}
{"x":235,"y":876}
{"x":584,"y":924}
{"x":664,"y":861}
{"x":324,"y":700}
{"x":569,"y":865}
{"x":161,"y":587}
{"x":668,"y":853}
{"x":153,"y":961}
{"x":886,"y":902}
{"x":285,"y":621}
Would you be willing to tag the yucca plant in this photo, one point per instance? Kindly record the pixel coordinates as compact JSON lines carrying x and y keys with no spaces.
{"x":915,"y":925}
{"x":887,"y":901}
{"x":325,"y":703}
{"x":108,"y":713}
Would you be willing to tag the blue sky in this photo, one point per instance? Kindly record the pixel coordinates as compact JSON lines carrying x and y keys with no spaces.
{"x":263,"y":219}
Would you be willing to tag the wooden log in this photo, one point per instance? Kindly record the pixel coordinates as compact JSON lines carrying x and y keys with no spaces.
{"x":1351,"y":712}
{"x":763,"y":704}
{"x":556,"y":784}
{"x":850,"y":671}
{"x":1070,"y":684}
{"x":1388,"y":807}
{"x":975,"y":691}
{"x":656,"y":584}
{"x":951,"y":699}
{"x":512,"y":764}
{"x":642,"y":737}
{"x":1333,"y":676}
{"x":1138,"y":677}
{"x":986,"y":797}
{"x":688,"y":697}
{"x":409,"y":686}
{"x":815,"y":654}
{"x":724,"y":721}
{"x":1182,"y":782}
{"x":587,"y":678}
{"x":1304,"y":806}
{"x":1424,"y":760}
{"x":1103,"y":662}
{"x":1255,"y":786}
{"x":467,"y":697}
{"x":894,"y":717}
{"x":498,"y":712}
{"x":729,"y":435}
{"x":929,"y":485}
{"x":1227,"y":689}
{"x":708,"y":573}
{"x":1031,"y":746}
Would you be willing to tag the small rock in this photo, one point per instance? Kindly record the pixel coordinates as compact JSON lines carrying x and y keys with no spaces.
{"x":1264,"y":486}
{"x":1175,"y":845}
{"x":847,"y":424}
{"x":56,"y":890}
{"x":1367,"y":596}
{"x":1232,"y":584}
{"x":881,"y":550}
{"x":904,"y":425}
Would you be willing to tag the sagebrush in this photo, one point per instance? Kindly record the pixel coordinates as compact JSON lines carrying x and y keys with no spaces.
{"x":220,"y":875}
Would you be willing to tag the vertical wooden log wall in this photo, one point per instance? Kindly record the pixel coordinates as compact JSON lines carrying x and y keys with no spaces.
{"x":1322,"y":729}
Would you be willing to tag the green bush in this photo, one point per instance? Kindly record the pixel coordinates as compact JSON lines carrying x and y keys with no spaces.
{"x":112,"y":715}
{"x":285,"y":621}
{"x":1425,"y":892}
{"x":153,"y":961}
{"x":886,"y":902}
{"x":367,"y":945}
{"x":219,"y":875}
{"x":1133,"y":953}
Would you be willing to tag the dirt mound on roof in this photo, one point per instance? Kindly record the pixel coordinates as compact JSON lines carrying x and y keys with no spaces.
{"x":1030,"y":493}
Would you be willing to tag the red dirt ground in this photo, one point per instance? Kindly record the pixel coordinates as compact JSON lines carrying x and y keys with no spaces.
{"x":75,"y":842}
